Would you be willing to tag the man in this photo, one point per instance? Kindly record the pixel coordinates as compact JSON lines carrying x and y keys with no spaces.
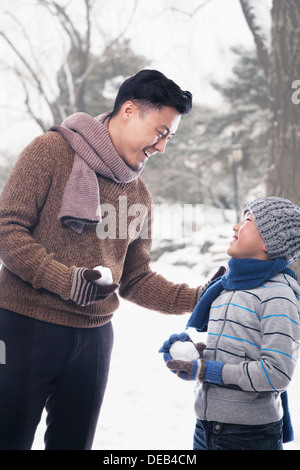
{"x":54,"y":319}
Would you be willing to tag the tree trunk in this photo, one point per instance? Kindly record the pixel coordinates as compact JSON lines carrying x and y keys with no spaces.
{"x":284,"y":139}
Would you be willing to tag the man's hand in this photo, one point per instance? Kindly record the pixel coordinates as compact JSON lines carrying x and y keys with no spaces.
{"x":83,"y":290}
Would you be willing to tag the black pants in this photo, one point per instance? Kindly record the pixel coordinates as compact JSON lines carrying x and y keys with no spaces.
{"x":62,"y":369}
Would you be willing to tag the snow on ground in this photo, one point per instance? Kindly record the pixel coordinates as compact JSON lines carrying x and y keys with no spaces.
{"x":146,"y":406}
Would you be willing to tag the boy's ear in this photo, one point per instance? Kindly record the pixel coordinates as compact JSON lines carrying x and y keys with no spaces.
{"x":265,"y":249}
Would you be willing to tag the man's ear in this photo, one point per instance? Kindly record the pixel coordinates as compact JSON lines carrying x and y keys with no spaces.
{"x":127,"y":110}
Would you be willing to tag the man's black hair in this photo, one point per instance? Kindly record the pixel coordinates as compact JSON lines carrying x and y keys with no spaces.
{"x":154,"y":90}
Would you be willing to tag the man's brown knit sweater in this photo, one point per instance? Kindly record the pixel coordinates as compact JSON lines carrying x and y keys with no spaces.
{"x":39,"y":253}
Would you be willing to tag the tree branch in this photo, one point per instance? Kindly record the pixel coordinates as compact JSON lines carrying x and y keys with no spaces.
{"x":88,"y":7}
{"x":28,"y":67}
{"x":39,"y":121}
{"x":186,"y":13}
{"x":31,"y":47}
{"x":262,"y":50}
{"x":64,"y":20}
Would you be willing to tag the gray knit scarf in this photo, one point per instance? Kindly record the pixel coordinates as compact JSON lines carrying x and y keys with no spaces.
{"x":94,"y":155}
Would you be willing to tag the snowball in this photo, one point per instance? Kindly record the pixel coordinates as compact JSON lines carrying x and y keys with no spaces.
{"x":184,"y":350}
{"x":106,"y":278}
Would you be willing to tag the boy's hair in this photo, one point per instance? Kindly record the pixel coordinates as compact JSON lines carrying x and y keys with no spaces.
{"x":151,"y":89}
{"x":278,"y":222}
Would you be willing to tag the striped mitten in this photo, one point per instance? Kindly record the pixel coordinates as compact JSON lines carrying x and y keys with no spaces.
{"x":84,"y":291}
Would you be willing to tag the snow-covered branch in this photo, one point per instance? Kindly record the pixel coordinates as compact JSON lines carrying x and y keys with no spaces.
{"x":259,"y":19}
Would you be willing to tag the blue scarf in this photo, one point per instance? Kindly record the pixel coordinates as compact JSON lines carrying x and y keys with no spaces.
{"x":243,"y":274}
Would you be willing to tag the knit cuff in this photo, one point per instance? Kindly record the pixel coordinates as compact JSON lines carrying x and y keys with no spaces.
{"x":213,"y":372}
{"x":54,"y":277}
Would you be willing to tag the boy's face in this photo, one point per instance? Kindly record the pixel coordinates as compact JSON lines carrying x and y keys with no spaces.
{"x":247,"y":241}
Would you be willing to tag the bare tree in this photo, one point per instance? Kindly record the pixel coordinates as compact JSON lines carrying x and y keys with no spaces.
{"x":68,"y":92}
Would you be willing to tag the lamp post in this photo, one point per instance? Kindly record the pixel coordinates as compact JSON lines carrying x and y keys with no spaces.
{"x":235,"y":156}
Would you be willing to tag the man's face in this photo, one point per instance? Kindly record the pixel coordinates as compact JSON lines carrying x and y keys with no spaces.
{"x":145,"y":133}
{"x":247,"y":241}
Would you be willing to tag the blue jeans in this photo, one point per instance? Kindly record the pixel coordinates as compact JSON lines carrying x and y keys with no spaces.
{"x":59,"y":368}
{"x":211,"y":435}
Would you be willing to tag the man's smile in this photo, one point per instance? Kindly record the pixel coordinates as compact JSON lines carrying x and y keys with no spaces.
{"x":147,"y":153}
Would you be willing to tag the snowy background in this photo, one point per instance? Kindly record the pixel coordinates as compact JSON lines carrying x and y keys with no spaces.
{"x":191,"y":48}
{"x":146,"y":407}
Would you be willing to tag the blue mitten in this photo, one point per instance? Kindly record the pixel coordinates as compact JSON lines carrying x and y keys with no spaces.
{"x":174,"y":363}
{"x":165,"y":349}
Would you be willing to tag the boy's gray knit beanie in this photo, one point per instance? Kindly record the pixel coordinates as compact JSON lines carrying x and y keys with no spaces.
{"x":278,"y":221}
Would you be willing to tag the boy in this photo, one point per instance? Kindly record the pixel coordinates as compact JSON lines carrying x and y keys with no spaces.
{"x":252,"y":318}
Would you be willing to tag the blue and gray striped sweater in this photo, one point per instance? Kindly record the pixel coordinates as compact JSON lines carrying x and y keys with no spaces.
{"x":254,"y":335}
